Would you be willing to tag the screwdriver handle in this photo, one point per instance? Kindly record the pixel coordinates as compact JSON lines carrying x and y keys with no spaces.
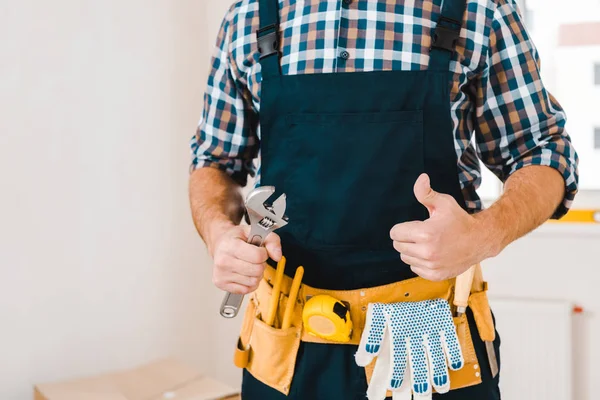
{"x":462,"y":290}
{"x":292,"y":298}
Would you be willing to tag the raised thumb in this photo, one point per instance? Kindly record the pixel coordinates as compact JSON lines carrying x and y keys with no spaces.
{"x":425,"y":194}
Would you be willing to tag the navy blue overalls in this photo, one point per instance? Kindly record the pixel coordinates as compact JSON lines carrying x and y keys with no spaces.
{"x":347,"y":149}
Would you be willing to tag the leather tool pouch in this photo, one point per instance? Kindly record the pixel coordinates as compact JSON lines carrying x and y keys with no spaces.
{"x":268,"y":353}
{"x":478,"y":303}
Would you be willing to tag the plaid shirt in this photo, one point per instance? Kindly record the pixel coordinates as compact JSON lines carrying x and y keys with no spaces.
{"x":502,"y":114}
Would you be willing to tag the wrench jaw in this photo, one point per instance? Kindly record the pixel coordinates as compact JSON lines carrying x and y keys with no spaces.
{"x":259,"y":196}
{"x":258,"y":210}
{"x":278,"y":207}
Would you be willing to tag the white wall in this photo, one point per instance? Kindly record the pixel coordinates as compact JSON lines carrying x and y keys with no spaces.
{"x":225,"y":331}
{"x":100,"y":267}
{"x":567,"y":72}
{"x":581,"y":98}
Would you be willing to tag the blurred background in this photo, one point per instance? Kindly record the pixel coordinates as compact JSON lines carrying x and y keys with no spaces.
{"x":100,"y":265}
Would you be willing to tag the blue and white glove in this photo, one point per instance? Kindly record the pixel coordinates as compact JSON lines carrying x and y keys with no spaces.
{"x":413,"y":336}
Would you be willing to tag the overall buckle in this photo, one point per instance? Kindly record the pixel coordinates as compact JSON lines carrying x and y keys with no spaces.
{"x":446,"y":34}
{"x":268,"y":40}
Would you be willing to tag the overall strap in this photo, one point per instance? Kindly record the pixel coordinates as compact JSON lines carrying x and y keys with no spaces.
{"x":446,"y":34}
{"x":267,"y":37}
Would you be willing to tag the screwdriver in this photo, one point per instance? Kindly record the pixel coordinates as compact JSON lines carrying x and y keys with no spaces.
{"x":289,"y":308}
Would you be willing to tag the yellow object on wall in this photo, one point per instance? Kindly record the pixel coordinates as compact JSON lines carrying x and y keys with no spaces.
{"x":581,"y":216}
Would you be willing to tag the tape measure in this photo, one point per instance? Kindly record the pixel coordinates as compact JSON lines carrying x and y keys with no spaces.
{"x":328,"y":318}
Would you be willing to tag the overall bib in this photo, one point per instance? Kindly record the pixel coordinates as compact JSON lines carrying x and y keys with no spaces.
{"x":347,"y":149}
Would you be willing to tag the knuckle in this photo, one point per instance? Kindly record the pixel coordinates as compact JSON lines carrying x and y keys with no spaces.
{"x":260,"y":255}
{"x":258,"y":271}
{"x":235,"y":289}
{"x":245,"y":290}
{"x":437,"y":276}
{"x":430,"y":254}
{"x":426,"y":236}
{"x":217,"y":281}
{"x":434,"y":265}
{"x":220,"y":260}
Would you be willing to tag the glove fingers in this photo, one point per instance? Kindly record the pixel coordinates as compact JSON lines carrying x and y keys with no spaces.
{"x":452,"y":348}
{"x":403,"y":390}
{"x":437,"y":362}
{"x":400,"y":357}
{"x":381,"y":373}
{"x":418,"y":366}
{"x":370,"y":341}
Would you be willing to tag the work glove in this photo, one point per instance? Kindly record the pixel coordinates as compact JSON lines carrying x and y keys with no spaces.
{"x":419,"y":337}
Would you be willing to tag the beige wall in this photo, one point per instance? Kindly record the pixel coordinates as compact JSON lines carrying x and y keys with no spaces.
{"x":99,"y":265}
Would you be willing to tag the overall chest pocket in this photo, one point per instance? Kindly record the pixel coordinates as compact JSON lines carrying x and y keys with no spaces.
{"x":351,"y":176}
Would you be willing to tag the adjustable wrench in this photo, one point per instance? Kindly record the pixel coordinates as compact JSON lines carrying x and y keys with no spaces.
{"x":264,"y":219}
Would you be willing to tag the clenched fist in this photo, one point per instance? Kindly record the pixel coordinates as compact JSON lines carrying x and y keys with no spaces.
{"x":239,"y":266}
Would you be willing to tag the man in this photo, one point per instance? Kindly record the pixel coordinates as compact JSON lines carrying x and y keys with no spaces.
{"x":372,"y":117}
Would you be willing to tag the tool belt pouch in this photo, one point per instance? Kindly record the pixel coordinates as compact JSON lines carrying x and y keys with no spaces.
{"x":479,"y":305}
{"x":268,"y":353}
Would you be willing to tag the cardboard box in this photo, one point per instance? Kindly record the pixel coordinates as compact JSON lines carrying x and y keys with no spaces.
{"x":161,"y":380}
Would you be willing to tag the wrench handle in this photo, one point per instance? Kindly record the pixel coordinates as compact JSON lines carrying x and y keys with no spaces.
{"x":232,"y":303}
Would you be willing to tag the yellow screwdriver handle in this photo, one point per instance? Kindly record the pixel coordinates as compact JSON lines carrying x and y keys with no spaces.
{"x":291,"y":303}
{"x":276,"y":291}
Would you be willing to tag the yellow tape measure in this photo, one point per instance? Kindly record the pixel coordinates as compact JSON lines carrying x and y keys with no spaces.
{"x":327,"y":318}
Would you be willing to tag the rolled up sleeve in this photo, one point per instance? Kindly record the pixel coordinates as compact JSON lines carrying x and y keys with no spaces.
{"x":519,"y":123}
{"x":226,"y":136}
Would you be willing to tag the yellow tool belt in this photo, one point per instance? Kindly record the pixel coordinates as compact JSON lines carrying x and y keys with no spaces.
{"x":269,"y":354}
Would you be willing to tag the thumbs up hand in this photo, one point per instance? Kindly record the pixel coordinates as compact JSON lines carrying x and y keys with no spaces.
{"x":446,"y":244}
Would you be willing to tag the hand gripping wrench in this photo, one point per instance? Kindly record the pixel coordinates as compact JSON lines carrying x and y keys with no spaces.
{"x":263,"y":219}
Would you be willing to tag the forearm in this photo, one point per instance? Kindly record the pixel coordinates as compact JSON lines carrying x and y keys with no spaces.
{"x":216,"y":202}
{"x":531,"y":195}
